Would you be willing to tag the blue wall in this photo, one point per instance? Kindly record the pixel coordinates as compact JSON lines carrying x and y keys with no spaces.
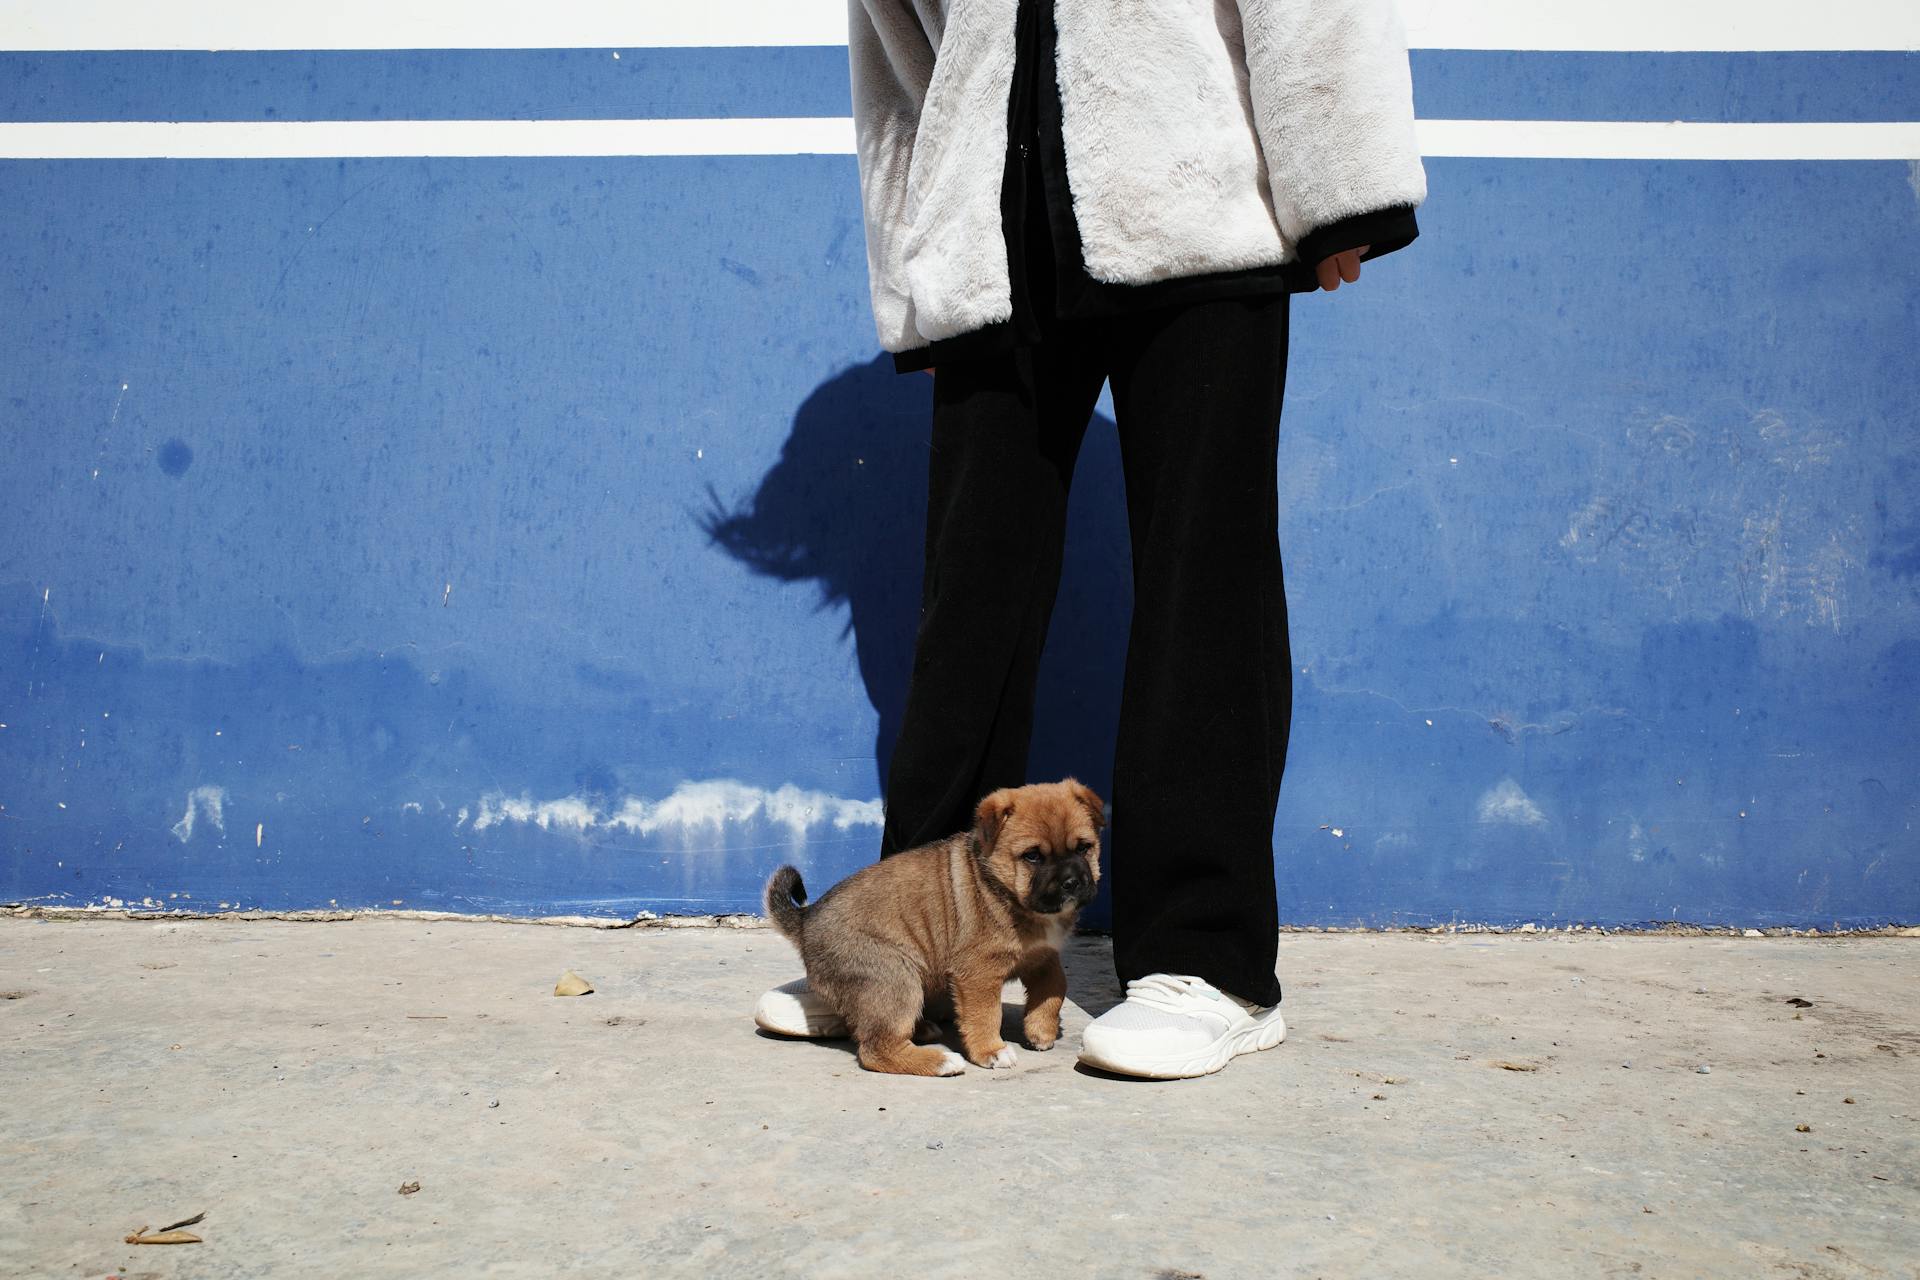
{"x":541,"y":535}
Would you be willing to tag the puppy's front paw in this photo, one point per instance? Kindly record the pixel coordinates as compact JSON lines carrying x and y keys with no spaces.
{"x":992,"y":1058}
{"x":1042,"y":1030}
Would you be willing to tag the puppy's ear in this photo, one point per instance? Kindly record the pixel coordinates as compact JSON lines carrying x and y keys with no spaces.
{"x":1096,"y":807}
{"x":992,"y":815}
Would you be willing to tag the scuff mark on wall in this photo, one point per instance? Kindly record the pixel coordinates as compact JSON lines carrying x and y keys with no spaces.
{"x":1506,"y":803}
{"x":1669,"y":433}
{"x":1688,"y":489}
{"x":207,"y":800}
{"x":1780,"y":574}
{"x":1511,"y":727}
{"x":1586,"y":525}
{"x":702,"y":807}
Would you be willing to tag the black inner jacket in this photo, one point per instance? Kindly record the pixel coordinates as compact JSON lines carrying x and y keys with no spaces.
{"x":1048,"y":274}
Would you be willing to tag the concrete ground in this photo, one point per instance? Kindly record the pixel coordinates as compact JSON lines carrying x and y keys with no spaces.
{"x":1464,"y":1105}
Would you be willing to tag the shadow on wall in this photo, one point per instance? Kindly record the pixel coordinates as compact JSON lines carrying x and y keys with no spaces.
{"x":844,"y":508}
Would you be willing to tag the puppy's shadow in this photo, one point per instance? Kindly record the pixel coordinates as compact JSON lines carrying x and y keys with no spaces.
{"x":840,"y":1044}
{"x":1091,"y":985}
{"x":1091,"y":988}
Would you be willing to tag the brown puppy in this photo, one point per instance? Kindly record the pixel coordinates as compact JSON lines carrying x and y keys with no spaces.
{"x":955,"y":918}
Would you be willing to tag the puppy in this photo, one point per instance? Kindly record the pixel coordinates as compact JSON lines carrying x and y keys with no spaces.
{"x":955,"y":918}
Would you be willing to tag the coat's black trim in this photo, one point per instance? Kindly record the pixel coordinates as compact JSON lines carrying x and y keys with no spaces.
{"x":1384,"y":230}
{"x":990,"y":340}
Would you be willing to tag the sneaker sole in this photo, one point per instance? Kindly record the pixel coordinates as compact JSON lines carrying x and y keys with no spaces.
{"x":788,"y":1019}
{"x":1261,"y":1035}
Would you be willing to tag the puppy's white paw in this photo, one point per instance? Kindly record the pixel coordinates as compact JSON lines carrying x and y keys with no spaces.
{"x":1005,"y":1058}
{"x":951,"y":1063}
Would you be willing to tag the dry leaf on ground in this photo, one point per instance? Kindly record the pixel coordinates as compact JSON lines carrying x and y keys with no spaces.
{"x":169,"y":1234}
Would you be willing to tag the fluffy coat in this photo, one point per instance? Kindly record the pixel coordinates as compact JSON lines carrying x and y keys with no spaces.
{"x":1200,"y":136}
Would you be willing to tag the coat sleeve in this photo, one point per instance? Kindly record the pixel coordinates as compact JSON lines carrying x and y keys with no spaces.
{"x":1333,"y":106}
{"x":891,"y":61}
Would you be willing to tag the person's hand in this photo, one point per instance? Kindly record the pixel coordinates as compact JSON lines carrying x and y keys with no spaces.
{"x":1340,"y":266}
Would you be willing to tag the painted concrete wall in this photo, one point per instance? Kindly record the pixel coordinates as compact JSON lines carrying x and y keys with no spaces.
{"x":518,"y":518}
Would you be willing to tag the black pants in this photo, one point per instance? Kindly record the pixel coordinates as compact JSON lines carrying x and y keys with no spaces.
{"x":1207,"y":696}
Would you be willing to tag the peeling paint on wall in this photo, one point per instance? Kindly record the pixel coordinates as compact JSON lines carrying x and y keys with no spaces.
{"x":1507,"y":803}
{"x":693,"y":809}
{"x":206,"y":800}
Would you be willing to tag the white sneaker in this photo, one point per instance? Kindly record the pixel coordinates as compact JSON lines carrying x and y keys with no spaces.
{"x":1172,"y":1026}
{"x":795,"y":1009}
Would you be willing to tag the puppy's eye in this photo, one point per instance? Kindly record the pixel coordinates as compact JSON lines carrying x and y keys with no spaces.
{"x":1031,"y":855}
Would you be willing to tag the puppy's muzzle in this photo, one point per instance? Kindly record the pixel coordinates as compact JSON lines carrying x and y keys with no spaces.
{"x":1070,"y":885}
{"x":1075,"y":883}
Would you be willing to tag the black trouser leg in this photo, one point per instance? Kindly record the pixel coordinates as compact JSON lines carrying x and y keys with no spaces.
{"x":1006,"y":431}
{"x":1208,"y":696}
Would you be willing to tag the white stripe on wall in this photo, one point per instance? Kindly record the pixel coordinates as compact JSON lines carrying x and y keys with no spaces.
{"x":1658,"y":140}
{"x":416,"y":24}
{"x":313,"y":139}
{"x":832,"y":135}
{"x":1652,"y":25}
{"x":1658,"y":26}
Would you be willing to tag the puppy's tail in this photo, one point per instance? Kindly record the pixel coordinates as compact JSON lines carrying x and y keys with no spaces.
{"x":786,"y":903}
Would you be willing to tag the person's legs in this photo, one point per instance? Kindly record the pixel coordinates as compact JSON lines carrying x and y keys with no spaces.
{"x":1208,"y":694}
{"x":1006,"y":431}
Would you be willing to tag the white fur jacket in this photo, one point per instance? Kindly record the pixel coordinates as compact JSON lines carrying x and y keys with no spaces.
{"x":1201,"y":136}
